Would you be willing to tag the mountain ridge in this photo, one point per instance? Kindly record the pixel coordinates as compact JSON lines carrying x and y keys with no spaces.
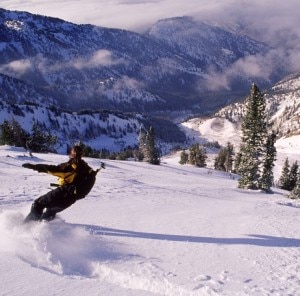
{"x":282,"y":107}
{"x":70,"y":61}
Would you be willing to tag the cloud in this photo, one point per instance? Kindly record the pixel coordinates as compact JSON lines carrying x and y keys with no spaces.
{"x":274,"y":22}
{"x":135,"y":14}
{"x":129,"y":83}
{"x":254,"y":66}
{"x":16,"y":68}
{"x":99,"y":58}
{"x":270,"y":20}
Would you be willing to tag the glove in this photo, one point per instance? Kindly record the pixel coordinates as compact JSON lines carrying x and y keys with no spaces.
{"x":28,"y":166}
{"x":36,"y":167}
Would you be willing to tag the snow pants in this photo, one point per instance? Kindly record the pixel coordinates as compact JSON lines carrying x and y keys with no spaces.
{"x":56,"y":200}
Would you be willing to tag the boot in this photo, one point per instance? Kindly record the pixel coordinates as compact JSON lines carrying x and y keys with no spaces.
{"x":35,"y":212}
{"x":48,"y":215}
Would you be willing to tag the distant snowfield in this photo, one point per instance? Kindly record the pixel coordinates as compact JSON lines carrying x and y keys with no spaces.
{"x":147,"y":230}
{"x":213,"y":129}
{"x":224,"y":131}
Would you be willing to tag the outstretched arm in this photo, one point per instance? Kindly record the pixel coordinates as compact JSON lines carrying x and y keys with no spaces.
{"x":50,"y":169}
{"x":41,"y":168}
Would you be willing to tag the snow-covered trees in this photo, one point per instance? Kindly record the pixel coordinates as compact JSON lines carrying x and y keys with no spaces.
{"x":257,"y":152}
{"x":196,"y":156}
{"x":147,"y":147}
{"x":40,"y":140}
{"x":184,"y":157}
{"x":284,"y":179}
{"x":224,"y":159}
{"x":295,"y":193}
{"x":11,"y":133}
{"x":267,"y":176}
{"x":289,"y":175}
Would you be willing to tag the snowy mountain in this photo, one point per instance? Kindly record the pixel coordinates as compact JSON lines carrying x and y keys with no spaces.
{"x":81,"y":66}
{"x":203,"y":44}
{"x":282,"y":107}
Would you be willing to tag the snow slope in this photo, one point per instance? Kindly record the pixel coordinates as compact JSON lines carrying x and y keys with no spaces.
{"x":147,"y":230}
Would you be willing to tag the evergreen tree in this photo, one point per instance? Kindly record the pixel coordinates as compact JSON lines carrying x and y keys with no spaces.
{"x":237,"y":162}
{"x":224,"y":159}
{"x":7,"y":135}
{"x":295,"y":193}
{"x":229,"y":157}
{"x":293,"y":175}
{"x":184,"y":157}
{"x":13,"y":134}
{"x":19,"y":133}
{"x":219,"y":163}
{"x":284,"y":180}
{"x":248,"y":168}
{"x":151,"y":151}
{"x":41,"y":141}
{"x":267,"y":177}
{"x":197,"y":155}
{"x":142,"y":145}
{"x":254,"y":135}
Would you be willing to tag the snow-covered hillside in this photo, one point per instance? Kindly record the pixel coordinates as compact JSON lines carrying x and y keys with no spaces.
{"x":147,"y":230}
{"x":282,"y":107}
{"x":212,"y":129}
{"x":85,"y":66}
{"x":113,"y":131}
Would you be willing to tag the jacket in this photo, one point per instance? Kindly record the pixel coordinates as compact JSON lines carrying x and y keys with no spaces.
{"x":66,"y":172}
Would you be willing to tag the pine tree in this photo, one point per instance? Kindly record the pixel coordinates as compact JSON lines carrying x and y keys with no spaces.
{"x":197,"y":155}
{"x":229,"y":157}
{"x":184,"y":157}
{"x":248,"y":168}
{"x":254,"y":135}
{"x":284,"y":180}
{"x":41,"y":141}
{"x":7,"y":135}
{"x":293,"y":175}
{"x":267,"y":177}
{"x":219,"y":163}
{"x":140,"y":154}
{"x":237,"y":162}
{"x":13,"y":134}
{"x":224,"y":159}
{"x":151,"y":151}
{"x":295,"y":193}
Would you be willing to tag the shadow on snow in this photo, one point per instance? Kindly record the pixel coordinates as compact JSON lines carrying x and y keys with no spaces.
{"x":250,"y":239}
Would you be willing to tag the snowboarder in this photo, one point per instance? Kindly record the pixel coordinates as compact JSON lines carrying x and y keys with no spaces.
{"x":69,"y":187}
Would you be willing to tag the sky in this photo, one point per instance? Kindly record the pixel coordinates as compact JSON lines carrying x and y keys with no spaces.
{"x":148,"y":230}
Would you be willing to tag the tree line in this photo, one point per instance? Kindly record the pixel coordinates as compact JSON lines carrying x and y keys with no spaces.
{"x":37,"y":140}
{"x":40,"y":141}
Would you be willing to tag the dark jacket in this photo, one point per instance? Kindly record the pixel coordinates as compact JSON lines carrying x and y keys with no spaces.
{"x":66,"y":172}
